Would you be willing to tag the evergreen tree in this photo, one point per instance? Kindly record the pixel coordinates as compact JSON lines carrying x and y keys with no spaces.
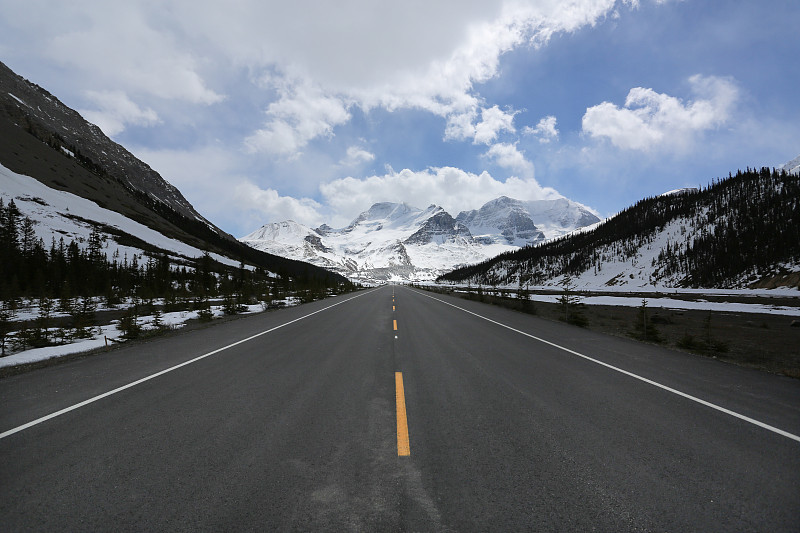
{"x":129,"y":323}
{"x":571,"y":302}
{"x":644,"y":328}
{"x":6,"y":324}
{"x":83,"y":315}
{"x":158,"y":319}
{"x":27,"y":238}
{"x":203,"y":307}
{"x":524,"y":296}
{"x":40,"y":336}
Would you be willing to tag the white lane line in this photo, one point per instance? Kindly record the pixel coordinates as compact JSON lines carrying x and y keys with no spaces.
{"x":631,"y":374}
{"x":165,"y":371}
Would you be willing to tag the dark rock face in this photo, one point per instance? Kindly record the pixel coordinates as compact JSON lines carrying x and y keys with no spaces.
{"x":401,"y":256}
{"x":508,"y":216}
{"x":316,"y":243}
{"x":519,"y":225}
{"x":440,"y":227}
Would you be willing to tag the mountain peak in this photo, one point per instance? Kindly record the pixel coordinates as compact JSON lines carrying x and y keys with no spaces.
{"x":439,"y":228}
{"x":387,"y":210}
{"x":394,"y":240}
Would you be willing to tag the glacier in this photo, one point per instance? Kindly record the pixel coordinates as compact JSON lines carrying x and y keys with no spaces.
{"x":399,"y":242}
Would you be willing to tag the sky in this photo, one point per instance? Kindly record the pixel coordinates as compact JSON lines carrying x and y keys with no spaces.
{"x":261,"y":111}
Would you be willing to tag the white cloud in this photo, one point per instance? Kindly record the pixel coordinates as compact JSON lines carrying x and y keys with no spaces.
{"x":372,"y":57}
{"x":493,"y":121}
{"x":226,"y":194}
{"x":355,"y":156}
{"x":302,"y":113}
{"x":460,"y":126}
{"x":651,"y":120}
{"x":440,"y":76}
{"x":212,"y":180}
{"x":507,"y":156}
{"x":270,"y":206}
{"x":125,"y":45}
{"x":545,"y":130}
{"x":115,"y":111}
{"x":326,"y":56}
{"x":452,"y":188}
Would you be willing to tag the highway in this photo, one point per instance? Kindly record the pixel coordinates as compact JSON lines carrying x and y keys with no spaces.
{"x":394,"y":409}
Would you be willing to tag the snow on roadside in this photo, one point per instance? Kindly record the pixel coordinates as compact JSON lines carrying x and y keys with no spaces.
{"x":174,"y":320}
{"x":674,"y":303}
{"x":48,"y":352}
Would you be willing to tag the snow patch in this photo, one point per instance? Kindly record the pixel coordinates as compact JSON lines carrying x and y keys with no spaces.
{"x":18,"y":100}
{"x":55,"y":215}
{"x":110,"y":334}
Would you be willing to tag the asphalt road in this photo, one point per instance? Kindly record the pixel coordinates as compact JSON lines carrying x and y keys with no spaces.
{"x":543,"y":427}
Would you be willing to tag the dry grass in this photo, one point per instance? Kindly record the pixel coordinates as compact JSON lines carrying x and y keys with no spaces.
{"x":764,"y":341}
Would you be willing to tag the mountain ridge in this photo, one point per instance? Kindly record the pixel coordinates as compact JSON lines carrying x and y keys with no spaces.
{"x":394,"y":240}
{"x":43,"y":115}
{"x":741,"y":231}
{"x":43,"y":139}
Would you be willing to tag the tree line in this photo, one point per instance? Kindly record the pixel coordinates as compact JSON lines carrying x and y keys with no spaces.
{"x":31,"y":268}
{"x":71,"y":277}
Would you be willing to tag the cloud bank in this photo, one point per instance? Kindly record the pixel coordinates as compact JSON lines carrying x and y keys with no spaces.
{"x":322,"y":58}
{"x":451,"y":188}
{"x":213,"y":183}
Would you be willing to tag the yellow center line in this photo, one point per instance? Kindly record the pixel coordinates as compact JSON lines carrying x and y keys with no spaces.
{"x":395,"y":324}
{"x":392,"y":308}
{"x":403,"y":445}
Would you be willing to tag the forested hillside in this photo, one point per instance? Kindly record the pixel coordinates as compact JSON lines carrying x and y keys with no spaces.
{"x":31,"y":268}
{"x":739,"y":231}
{"x":42,"y":138}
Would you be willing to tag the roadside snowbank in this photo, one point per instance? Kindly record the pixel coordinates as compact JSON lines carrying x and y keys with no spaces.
{"x":110,"y":333}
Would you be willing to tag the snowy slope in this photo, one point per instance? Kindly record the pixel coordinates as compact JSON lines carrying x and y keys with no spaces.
{"x":559,"y":217}
{"x":793,"y":166}
{"x":398,"y":241}
{"x":738,"y":232}
{"x":388,"y":241}
{"x":637,"y":268}
{"x":520,"y":223}
{"x":22,"y":102}
{"x":60,"y":214}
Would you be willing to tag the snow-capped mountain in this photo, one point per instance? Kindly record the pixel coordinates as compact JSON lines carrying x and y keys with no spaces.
{"x":519,"y":223}
{"x":742,"y":231}
{"x":398,"y":241}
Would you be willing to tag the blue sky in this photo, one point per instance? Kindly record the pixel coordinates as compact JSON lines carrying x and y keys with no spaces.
{"x":264,"y":111}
